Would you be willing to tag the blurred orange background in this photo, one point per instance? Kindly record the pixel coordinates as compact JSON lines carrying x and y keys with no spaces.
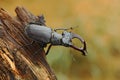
{"x":99,"y":25}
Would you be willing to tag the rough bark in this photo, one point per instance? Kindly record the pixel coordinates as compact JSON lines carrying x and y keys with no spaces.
{"x":23,"y":64}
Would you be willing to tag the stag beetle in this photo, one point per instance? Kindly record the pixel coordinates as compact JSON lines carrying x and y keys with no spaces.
{"x":45,"y":35}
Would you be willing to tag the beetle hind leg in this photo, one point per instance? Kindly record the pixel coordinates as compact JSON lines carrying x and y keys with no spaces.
{"x":16,"y":49}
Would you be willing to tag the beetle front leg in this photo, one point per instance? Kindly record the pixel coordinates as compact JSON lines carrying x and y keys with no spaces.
{"x":70,"y":28}
{"x":63,"y":29}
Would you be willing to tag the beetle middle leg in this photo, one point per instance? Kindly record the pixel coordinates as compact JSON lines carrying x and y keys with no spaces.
{"x":46,"y":53}
{"x":48,"y":49}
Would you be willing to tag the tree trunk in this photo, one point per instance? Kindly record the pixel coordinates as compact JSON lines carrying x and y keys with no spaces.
{"x":27,"y":63}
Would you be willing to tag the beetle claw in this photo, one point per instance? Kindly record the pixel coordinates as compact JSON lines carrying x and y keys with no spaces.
{"x":81,"y":49}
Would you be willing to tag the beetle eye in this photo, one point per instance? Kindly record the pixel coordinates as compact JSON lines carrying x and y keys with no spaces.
{"x":63,"y":33}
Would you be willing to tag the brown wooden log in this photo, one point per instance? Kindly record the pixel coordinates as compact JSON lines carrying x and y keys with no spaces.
{"x":23,"y":64}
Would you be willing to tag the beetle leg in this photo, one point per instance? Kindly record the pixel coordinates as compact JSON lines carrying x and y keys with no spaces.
{"x":70,"y":28}
{"x":62,"y":29}
{"x":24,"y":46}
{"x":36,"y":52}
{"x":48,"y":48}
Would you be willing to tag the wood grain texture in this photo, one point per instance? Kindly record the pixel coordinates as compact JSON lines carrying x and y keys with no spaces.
{"x":23,"y":64}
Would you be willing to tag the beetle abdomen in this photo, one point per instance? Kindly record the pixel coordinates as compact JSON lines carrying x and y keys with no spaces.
{"x":38,"y":33}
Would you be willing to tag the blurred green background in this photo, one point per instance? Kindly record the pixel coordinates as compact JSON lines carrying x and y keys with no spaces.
{"x":99,"y":25}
